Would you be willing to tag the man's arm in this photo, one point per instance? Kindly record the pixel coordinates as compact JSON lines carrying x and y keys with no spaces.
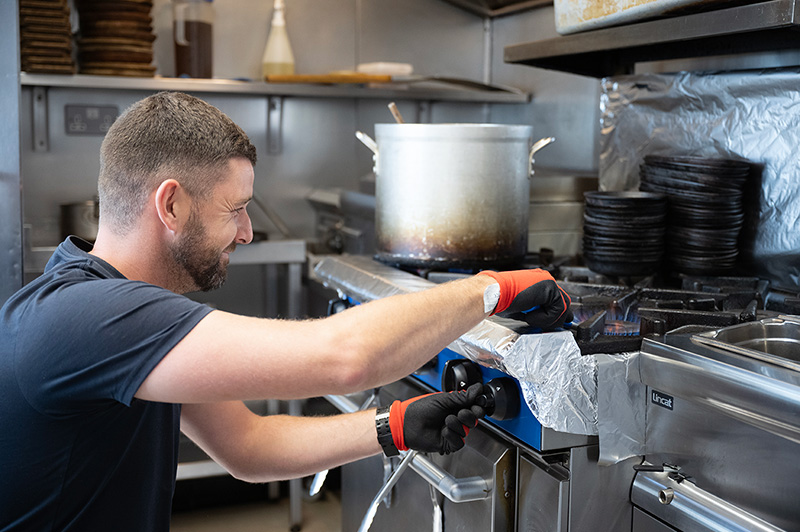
{"x":227,"y":357}
{"x":264,"y":449}
{"x":260,"y":449}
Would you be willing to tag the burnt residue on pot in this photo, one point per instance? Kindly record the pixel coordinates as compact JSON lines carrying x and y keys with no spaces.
{"x":452,"y":195}
{"x":449,"y":247}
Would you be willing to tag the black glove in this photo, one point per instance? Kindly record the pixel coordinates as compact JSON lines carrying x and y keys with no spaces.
{"x":436,"y":422}
{"x":532,"y":296}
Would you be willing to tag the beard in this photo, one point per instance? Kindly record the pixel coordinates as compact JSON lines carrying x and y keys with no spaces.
{"x":203,"y":264}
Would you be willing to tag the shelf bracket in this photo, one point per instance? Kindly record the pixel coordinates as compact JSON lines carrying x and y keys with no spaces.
{"x":40,"y":138}
{"x":423,"y":112}
{"x":274,"y":125}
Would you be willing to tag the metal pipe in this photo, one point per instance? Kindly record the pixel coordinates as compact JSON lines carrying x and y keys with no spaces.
{"x":343,"y":403}
{"x":373,"y":507}
{"x":687,"y":507}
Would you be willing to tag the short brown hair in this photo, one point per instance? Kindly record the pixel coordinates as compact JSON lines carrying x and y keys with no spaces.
{"x":166,"y":135}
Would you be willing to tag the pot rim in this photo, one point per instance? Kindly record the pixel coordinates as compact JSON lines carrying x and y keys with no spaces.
{"x":453,"y":131}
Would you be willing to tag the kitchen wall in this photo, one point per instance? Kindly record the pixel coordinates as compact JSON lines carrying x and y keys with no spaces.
{"x":319,"y":147}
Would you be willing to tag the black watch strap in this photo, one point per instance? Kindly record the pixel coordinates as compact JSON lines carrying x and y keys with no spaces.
{"x":385,"y":431}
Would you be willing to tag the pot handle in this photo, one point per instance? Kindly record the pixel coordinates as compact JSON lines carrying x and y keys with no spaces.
{"x":538,"y":145}
{"x":369,"y":143}
{"x":372,"y":145}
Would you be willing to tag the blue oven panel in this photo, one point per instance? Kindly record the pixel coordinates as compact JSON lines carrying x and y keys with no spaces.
{"x":524,"y":426}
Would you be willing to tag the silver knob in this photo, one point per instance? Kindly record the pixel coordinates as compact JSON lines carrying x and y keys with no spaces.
{"x":666,"y":495}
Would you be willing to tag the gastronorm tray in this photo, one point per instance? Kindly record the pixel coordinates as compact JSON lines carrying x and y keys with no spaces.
{"x":773,"y":340}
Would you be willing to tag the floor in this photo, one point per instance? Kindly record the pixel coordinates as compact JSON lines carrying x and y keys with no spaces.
{"x":229,"y":507}
{"x":318,"y":516}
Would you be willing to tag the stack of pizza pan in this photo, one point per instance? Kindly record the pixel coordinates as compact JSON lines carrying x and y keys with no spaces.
{"x":623,"y":232}
{"x":704,"y":209}
{"x":45,"y":37}
{"x":116,"y":37}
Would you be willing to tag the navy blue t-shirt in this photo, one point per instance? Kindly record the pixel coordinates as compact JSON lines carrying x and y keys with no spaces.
{"x":77,"y":450}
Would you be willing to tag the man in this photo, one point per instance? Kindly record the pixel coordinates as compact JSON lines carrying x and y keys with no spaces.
{"x":102,"y":361}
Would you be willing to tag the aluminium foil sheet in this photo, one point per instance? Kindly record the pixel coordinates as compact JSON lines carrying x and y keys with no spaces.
{"x":558,"y":384}
{"x":752,"y":116}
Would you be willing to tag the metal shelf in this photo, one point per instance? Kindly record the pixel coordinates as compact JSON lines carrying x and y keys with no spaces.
{"x":498,"y":8}
{"x":434,"y":91}
{"x":762,"y":27}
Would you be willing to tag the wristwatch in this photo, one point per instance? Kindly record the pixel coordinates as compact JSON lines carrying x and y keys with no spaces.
{"x":385,"y":431}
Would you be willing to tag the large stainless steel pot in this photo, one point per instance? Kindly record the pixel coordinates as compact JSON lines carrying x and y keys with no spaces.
{"x":80,"y":219}
{"x":452,"y":195}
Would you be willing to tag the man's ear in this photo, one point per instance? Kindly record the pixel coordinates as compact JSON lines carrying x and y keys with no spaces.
{"x":173,"y":205}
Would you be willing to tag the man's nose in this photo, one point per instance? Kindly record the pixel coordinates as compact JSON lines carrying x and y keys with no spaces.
{"x":244,"y":233}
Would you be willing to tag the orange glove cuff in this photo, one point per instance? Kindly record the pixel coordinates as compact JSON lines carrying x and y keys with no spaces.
{"x":397,"y":416}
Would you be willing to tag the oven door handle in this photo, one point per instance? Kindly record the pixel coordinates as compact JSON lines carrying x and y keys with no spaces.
{"x":456,"y":489}
{"x":466,"y":489}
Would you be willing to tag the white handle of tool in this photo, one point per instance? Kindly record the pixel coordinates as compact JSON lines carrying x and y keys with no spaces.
{"x":387,"y":487}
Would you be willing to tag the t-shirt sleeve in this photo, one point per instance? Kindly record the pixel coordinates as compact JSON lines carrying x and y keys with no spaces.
{"x":97,"y":341}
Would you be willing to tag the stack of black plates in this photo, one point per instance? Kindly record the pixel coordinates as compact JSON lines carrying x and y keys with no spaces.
{"x":623,"y":232}
{"x":705,"y":213}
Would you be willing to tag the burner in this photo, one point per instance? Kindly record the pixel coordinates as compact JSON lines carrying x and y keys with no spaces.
{"x":593,"y":335}
{"x":620,"y":328}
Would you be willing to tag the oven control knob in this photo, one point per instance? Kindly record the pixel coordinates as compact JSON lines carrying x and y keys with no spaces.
{"x":502,"y":398}
{"x":459,"y":375}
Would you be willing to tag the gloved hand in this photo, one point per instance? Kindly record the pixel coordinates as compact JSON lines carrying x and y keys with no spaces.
{"x":437,"y":422}
{"x":532,"y":296}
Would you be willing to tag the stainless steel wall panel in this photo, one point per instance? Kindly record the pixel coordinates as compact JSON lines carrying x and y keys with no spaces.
{"x":435,"y":37}
{"x":599,"y":495}
{"x":10,"y":179}
{"x":564,"y":106}
{"x":314,"y":131}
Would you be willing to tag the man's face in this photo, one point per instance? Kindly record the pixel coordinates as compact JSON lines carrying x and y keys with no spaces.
{"x":205,"y":263}
{"x":214,"y":228}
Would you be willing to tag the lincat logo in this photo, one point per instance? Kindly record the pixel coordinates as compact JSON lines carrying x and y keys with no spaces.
{"x":661,"y":399}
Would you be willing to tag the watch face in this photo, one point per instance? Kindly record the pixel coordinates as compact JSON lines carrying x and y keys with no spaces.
{"x":491,"y":295}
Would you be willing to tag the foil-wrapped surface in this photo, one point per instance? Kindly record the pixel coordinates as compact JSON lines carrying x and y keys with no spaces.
{"x":621,"y":406}
{"x":752,"y":115}
{"x":559,"y":385}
